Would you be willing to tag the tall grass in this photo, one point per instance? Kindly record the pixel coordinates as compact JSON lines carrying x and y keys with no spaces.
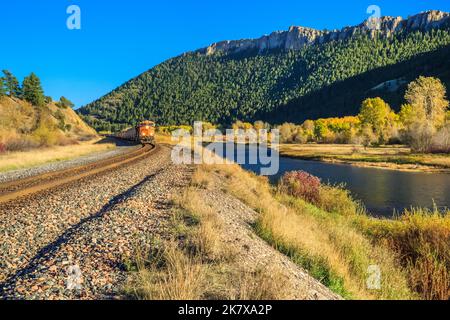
{"x":341,"y":241}
{"x":264,"y":283}
{"x":421,"y":237}
{"x":167,"y":273}
{"x":204,"y":238}
{"x":326,"y":244}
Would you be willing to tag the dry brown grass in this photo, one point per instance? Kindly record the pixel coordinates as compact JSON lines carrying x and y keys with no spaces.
{"x":264,"y":283}
{"x":169,"y":274}
{"x":333,"y":240}
{"x":205,"y":238}
{"x":26,"y":159}
{"x":336,"y":242}
{"x":202,"y":179}
{"x":17,"y":115}
{"x":24,"y":127}
{"x":343,"y":149}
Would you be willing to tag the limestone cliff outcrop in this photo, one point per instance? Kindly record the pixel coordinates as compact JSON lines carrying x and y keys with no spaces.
{"x":298,"y":37}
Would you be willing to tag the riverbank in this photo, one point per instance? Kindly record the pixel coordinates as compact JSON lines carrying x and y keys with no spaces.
{"x":339,"y":244}
{"x":388,"y":157}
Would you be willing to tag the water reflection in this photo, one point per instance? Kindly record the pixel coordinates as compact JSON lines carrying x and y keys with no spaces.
{"x":382,"y":191}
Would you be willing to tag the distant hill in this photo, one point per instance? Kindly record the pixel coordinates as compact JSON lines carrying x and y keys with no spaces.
{"x":286,"y":76}
{"x":24,"y":126}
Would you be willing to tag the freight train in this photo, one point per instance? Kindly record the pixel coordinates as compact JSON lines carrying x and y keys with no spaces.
{"x":143,"y":133}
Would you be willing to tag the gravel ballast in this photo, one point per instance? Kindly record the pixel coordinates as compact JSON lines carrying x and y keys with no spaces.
{"x":71,"y":243}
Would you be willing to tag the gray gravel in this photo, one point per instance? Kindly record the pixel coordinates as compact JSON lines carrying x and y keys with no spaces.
{"x":88,"y":229}
{"x":62,"y":165}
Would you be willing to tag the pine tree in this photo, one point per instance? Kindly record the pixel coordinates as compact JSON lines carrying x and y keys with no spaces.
{"x":2,"y":87}
{"x":11,"y":84}
{"x":32,"y":90}
{"x":65,"y":103}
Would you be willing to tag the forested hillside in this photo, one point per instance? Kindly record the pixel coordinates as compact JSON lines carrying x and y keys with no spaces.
{"x":344,"y":97}
{"x":320,"y":80}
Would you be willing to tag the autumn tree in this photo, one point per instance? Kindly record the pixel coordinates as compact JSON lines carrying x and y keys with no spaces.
{"x":377,"y":114}
{"x":368,"y":137}
{"x":287,"y":132}
{"x":425,"y":114}
{"x":261,"y":125}
{"x":427,"y":96}
{"x":407,"y":115}
{"x":308,"y":128}
{"x":32,"y":90}
{"x":321,"y":130}
{"x":239,"y":125}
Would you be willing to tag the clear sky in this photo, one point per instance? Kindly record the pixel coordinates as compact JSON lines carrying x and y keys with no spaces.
{"x":120,"y":39}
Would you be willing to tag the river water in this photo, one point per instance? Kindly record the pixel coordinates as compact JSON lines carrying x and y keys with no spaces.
{"x":383,"y":192}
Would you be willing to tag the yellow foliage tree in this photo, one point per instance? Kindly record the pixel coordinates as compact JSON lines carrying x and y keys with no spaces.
{"x":378,"y":115}
{"x":427,"y":96}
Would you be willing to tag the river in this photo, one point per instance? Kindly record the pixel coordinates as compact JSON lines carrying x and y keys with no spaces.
{"x":383,"y":192}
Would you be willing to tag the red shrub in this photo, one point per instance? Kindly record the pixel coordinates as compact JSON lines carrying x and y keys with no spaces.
{"x":302,"y":185}
{"x":2,"y":148}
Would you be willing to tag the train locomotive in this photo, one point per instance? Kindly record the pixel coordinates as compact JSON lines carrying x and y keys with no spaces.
{"x":143,"y":133}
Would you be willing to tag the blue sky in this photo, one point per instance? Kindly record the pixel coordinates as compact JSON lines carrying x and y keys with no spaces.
{"x":121,"y":39}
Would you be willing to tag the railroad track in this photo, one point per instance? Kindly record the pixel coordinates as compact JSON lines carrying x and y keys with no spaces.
{"x":11,"y":191}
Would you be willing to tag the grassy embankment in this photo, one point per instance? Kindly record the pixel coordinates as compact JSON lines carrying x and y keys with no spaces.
{"x":336,"y":241}
{"x":326,"y":244}
{"x":31,"y":135}
{"x":389,"y":157}
{"x":330,"y":236}
{"x":26,"y":159}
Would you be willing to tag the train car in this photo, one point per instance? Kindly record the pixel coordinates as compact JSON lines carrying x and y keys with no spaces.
{"x":143,"y":133}
{"x":146,"y":132}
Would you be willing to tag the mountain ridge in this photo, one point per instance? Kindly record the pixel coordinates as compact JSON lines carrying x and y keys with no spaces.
{"x":297,"y":37}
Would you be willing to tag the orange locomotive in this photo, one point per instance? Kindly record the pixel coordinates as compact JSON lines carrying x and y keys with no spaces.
{"x":143,"y":133}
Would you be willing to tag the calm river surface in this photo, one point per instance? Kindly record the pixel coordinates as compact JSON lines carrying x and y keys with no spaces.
{"x":381,"y":191}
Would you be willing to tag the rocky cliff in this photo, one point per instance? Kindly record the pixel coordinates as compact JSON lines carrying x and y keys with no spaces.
{"x":298,"y":37}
